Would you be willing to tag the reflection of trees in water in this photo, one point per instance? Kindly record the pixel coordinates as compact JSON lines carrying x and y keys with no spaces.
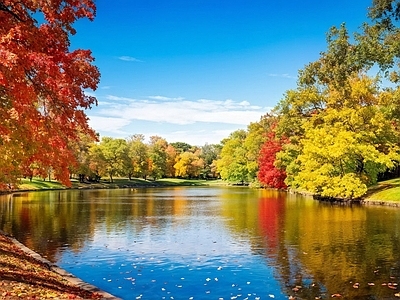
{"x":322,"y":248}
{"x":48,"y":221}
{"x":319,"y":250}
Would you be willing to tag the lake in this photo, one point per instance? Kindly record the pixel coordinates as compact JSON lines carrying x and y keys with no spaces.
{"x":211,"y":242}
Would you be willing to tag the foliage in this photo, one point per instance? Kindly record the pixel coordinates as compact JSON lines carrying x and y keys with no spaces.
{"x":138,"y":155}
{"x":342,"y":125}
{"x":256,"y":136}
{"x":158,"y":157}
{"x":269,"y":174}
{"x":42,"y":86}
{"x":232,"y":164}
{"x":189,"y":164}
{"x":209,"y":154}
{"x":24,"y":277}
{"x":240,"y":151}
{"x":110,"y":157}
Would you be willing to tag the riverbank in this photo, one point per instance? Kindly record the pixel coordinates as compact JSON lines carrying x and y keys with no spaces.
{"x":19,"y":279}
{"x":26,"y":275}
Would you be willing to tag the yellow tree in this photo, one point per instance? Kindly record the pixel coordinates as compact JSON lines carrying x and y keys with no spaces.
{"x":189,"y":164}
{"x":349,"y":143}
{"x":138,"y":155}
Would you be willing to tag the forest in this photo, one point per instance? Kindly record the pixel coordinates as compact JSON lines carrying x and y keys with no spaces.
{"x":334,"y":135}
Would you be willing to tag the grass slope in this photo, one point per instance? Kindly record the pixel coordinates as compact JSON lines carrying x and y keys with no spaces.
{"x":387,"y":191}
{"x":40,"y":184}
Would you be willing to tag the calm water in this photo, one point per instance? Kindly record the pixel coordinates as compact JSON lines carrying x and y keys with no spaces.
{"x":211,"y":243}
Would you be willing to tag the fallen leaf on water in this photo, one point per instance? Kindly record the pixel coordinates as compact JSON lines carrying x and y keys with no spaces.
{"x":336,"y":295}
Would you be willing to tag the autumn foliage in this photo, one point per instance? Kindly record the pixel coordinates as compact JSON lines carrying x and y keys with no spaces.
{"x":269,"y":174}
{"x":42,"y":86}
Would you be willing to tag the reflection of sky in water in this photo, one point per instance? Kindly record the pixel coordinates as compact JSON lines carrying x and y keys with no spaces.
{"x":211,"y":243}
{"x":187,"y":258}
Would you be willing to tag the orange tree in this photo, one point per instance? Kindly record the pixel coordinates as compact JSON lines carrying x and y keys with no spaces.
{"x":42,"y":86}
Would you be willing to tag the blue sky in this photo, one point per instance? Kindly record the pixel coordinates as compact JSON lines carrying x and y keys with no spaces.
{"x":195,"y":71}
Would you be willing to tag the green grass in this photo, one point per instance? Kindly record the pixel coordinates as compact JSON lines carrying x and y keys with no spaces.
{"x":388,"y":190}
{"x":40,"y":184}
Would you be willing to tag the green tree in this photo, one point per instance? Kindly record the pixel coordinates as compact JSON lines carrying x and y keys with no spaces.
{"x":158,"y":157}
{"x":232,"y":164}
{"x":110,"y":156}
{"x":138,"y":155}
{"x":181,"y":146}
{"x":209,"y":154}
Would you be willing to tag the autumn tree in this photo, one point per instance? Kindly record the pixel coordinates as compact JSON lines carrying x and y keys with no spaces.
{"x":270,"y":174}
{"x":172,"y":156}
{"x":138,"y":153}
{"x":345,"y":148}
{"x":189,"y":164}
{"x":210,"y":153}
{"x":157,"y":157}
{"x":232,"y":164}
{"x":81,"y":149}
{"x":342,"y":125}
{"x":111,"y":157}
{"x":256,"y":136}
{"x":42,"y":85}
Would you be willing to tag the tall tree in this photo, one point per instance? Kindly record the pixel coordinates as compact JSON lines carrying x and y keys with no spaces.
{"x":232,"y":164}
{"x":345,"y":148}
{"x":210,"y":154}
{"x":139,"y":156}
{"x":269,"y":173}
{"x":42,"y":85}
{"x":158,"y":157}
{"x":172,"y":156}
{"x":256,"y":136}
{"x":189,"y":164}
{"x":112,"y":155}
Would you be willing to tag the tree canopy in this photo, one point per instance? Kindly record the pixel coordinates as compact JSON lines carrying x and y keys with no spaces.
{"x":42,"y":86}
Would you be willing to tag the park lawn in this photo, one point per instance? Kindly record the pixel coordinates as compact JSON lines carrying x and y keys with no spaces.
{"x":40,"y":184}
{"x":387,"y":191}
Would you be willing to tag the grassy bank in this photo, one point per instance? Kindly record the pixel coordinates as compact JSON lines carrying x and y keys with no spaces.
{"x":385,"y":191}
{"x":40,"y":184}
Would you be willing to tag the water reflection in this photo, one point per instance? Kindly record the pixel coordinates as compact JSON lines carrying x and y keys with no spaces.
{"x":223,"y":242}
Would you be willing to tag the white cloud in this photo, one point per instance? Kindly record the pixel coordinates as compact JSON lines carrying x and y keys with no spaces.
{"x":282,"y":76}
{"x":108,"y":124}
{"x":180,"y":111}
{"x":196,"y":138}
{"x":129,"y":58}
{"x":116,"y":98}
{"x":163,"y":98}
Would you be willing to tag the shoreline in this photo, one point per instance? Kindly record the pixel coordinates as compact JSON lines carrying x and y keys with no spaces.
{"x":77,"y":287}
{"x":104,"y":186}
{"x":25,"y":274}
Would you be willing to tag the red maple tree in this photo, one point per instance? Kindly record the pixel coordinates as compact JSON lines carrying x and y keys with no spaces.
{"x":42,"y":86}
{"x":269,"y":174}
